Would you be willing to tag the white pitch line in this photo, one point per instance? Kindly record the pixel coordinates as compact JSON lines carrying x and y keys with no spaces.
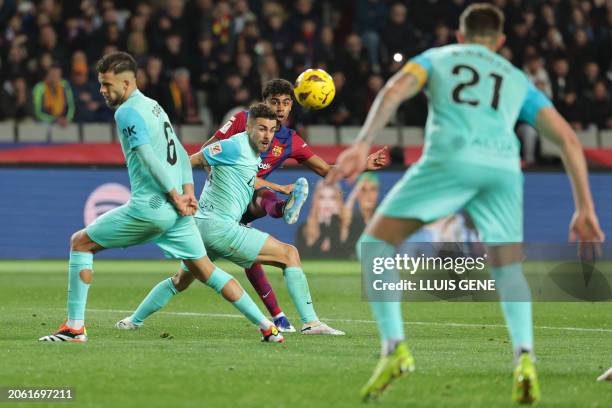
{"x":443,"y":324}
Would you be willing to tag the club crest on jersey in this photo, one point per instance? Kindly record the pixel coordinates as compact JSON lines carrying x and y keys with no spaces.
{"x":215,"y":149}
{"x":277,"y":151}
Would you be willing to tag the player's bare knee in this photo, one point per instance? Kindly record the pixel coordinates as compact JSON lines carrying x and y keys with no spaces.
{"x":75,"y":241}
{"x":80,"y":242}
{"x":292,"y":256}
{"x":201,"y":269}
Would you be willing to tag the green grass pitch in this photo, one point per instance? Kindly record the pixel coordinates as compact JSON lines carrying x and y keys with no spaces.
{"x":199,"y":353}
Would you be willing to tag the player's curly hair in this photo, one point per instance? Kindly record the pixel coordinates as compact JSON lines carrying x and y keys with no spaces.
{"x":261,"y":110}
{"x":277,"y":87}
{"x":117,"y":62}
{"x":481,"y":20}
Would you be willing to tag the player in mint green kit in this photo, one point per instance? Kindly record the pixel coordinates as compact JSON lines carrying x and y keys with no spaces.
{"x":234,"y":164}
{"x":160,"y":209}
{"x":471,"y":160}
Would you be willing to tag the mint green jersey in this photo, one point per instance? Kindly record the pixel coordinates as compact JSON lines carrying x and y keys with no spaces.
{"x":140,"y":120}
{"x":475,"y":98}
{"x":231,"y":181}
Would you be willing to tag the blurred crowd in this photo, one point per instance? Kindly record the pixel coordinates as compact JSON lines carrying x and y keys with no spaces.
{"x":202,"y":58}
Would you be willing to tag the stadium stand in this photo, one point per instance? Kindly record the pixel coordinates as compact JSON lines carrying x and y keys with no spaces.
{"x":202,"y":59}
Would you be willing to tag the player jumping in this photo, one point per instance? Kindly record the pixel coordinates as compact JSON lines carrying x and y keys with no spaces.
{"x":160,"y":209}
{"x":234,"y":164}
{"x":471,"y":160}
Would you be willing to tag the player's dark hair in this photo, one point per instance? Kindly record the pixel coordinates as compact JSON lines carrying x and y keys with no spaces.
{"x":481,"y":20}
{"x":277,"y":87}
{"x":261,"y":110}
{"x":117,"y":62}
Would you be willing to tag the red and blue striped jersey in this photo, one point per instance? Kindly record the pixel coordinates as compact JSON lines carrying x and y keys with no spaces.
{"x":287,"y":144}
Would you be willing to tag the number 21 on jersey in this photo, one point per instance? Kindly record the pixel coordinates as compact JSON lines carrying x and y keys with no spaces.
{"x":474,"y":79}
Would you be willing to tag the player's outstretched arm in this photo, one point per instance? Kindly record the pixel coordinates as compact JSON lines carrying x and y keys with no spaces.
{"x":375,"y":161}
{"x":403,"y":85}
{"x":262,"y":183}
{"x":584,"y":225}
{"x":318,"y":165}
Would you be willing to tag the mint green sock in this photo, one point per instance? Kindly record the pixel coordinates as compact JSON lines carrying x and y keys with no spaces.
{"x":297,"y":285}
{"x":157,"y":298}
{"x":77,"y":289}
{"x":218,"y":279}
{"x":515,"y":299}
{"x":388,"y":314}
{"x":247,"y":307}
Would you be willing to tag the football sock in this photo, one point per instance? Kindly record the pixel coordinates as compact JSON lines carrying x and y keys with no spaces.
{"x":218,"y":279}
{"x":297,"y":285}
{"x":515,"y":299}
{"x":77,"y":289}
{"x":247,"y":307}
{"x":157,"y":298}
{"x":388,"y":314}
{"x":272,"y":204}
{"x":262,"y":286}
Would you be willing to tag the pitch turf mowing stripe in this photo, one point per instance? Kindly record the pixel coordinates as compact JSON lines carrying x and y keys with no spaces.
{"x":443,"y":324}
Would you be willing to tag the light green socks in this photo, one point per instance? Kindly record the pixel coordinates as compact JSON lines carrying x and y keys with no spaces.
{"x":77,"y":289}
{"x":515,"y":299}
{"x":218,"y":279}
{"x":249,"y":309}
{"x":161,"y":294}
{"x":297,"y":285}
{"x":388,"y":314}
{"x":159,"y":297}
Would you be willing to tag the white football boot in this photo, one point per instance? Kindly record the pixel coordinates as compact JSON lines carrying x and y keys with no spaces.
{"x":321,"y":328}
{"x":127,"y":324}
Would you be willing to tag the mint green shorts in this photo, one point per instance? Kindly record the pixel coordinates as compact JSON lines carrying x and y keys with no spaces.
{"x":231,"y":240}
{"x":177,"y":236}
{"x":431,"y":190}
